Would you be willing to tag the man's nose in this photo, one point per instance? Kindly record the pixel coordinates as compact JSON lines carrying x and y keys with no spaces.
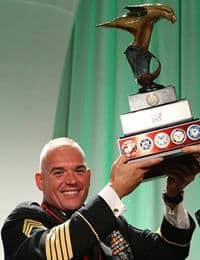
{"x":70,"y":177}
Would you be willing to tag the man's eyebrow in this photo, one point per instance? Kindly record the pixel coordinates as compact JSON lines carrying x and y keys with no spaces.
{"x":56,"y":169}
{"x":78,"y":167}
{"x":81,"y":166}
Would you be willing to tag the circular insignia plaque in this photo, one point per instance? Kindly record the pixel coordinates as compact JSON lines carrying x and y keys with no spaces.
{"x":146,"y":143}
{"x":129,"y":148}
{"x":193,"y":132}
{"x":178,"y":136}
{"x":162,"y":140}
{"x":152,"y":100}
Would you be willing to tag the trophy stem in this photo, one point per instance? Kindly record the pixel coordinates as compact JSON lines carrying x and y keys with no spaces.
{"x":139,"y":60}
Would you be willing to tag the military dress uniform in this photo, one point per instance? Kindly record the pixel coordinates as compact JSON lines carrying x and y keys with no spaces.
{"x":42,"y":232}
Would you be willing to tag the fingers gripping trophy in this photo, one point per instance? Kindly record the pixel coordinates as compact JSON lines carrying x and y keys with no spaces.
{"x":158,"y":124}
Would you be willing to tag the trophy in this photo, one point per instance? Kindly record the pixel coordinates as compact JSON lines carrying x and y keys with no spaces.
{"x":157,"y":124}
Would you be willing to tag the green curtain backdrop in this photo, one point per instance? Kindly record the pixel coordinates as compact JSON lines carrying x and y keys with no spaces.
{"x":97,"y":80}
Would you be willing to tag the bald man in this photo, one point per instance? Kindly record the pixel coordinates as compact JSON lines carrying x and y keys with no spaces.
{"x":63,"y":227}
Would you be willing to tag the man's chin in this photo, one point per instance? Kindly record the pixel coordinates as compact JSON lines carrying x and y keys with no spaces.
{"x":70,"y":207}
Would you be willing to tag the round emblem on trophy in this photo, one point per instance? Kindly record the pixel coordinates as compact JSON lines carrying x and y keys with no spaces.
{"x":162,"y":140}
{"x":152,"y":99}
{"x":178,"y":136}
{"x":146,"y":143}
{"x":193,"y":132}
{"x":129,"y":148}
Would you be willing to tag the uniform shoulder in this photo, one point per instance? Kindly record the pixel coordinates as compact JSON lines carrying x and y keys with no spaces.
{"x":27,"y":209}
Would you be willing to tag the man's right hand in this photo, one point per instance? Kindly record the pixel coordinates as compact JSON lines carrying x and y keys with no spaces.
{"x":126,"y":175}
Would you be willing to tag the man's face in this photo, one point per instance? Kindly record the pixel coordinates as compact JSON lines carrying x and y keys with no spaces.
{"x":65,"y":179}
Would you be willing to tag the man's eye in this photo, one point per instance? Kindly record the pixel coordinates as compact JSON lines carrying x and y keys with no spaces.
{"x":80,"y":171}
{"x":58,"y":173}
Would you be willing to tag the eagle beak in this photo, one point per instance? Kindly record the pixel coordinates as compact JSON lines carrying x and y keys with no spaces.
{"x":99,"y":25}
{"x":173,"y":18}
{"x":108,"y":24}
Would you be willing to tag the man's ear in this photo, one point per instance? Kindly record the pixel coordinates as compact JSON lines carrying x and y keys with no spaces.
{"x":89,"y":173}
{"x":39,"y":180}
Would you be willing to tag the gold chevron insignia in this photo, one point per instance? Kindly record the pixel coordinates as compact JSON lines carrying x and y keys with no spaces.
{"x":29,"y":225}
{"x":58,"y":243}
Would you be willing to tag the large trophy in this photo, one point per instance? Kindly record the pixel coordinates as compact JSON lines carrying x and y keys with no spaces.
{"x":158,"y":124}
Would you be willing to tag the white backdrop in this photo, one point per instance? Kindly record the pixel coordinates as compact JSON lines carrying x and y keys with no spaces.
{"x":33,"y":44}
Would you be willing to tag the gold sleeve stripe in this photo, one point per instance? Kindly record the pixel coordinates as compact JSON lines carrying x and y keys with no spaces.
{"x":29,"y":225}
{"x":58,"y":243}
{"x":47,"y":248}
{"x":63,"y":243}
{"x":170,"y":242}
{"x":52,"y":244}
{"x":69,"y":241}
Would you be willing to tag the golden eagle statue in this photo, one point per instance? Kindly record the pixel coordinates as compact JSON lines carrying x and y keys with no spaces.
{"x":139,"y":21}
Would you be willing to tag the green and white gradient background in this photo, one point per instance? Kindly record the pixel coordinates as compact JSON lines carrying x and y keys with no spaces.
{"x":60,"y":75}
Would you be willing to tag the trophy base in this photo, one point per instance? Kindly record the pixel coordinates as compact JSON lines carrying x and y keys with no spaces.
{"x":163,"y":142}
{"x":152,"y":98}
{"x":156,"y":117}
{"x":169,"y":164}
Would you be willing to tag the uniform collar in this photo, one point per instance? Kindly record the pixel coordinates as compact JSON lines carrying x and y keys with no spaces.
{"x":56,"y":213}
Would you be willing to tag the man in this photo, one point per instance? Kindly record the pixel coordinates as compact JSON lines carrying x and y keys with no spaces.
{"x":63,"y":228}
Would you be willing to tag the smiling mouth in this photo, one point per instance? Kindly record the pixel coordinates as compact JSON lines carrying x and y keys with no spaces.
{"x":70,"y":192}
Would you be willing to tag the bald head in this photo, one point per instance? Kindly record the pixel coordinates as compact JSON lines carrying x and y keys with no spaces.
{"x":55,"y":144}
{"x":63,"y":177}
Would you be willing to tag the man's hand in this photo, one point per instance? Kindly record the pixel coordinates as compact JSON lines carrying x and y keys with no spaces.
{"x":181,"y":171}
{"x":176,"y":184}
{"x":127,"y":175}
{"x":194,"y":149}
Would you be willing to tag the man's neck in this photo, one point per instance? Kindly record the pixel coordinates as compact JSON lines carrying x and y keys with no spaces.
{"x":56,"y":213}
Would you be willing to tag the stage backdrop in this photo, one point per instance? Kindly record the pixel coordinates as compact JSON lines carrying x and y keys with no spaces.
{"x":84,"y":79}
{"x":33,"y":43}
{"x":97,"y":80}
